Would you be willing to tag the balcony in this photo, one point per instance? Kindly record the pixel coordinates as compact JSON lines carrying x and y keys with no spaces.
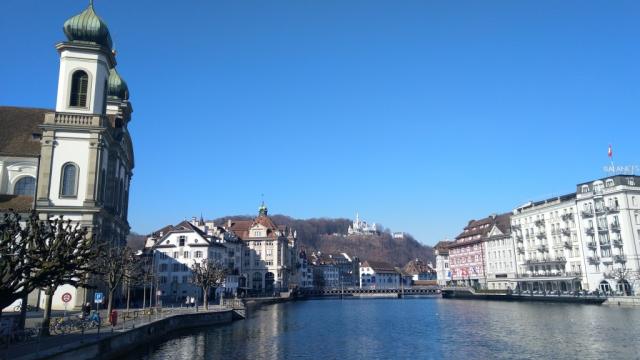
{"x":605,"y":244}
{"x":552,"y":274}
{"x":590,"y":231}
{"x":587,"y":213}
{"x":539,"y":222}
{"x":592,"y":245}
{"x":600,"y":210}
{"x":520,"y":250}
{"x":612,"y":209}
{"x":547,"y":260}
{"x":567,"y":217}
{"x":617,"y":243}
{"x":519,"y":238}
{"x":541,"y":235}
{"x":603,"y":228}
{"x":566,"y":231}
{"x":554,"y":232}
{"x":567,"y":244}
{"x":543,"y":248}
{"x":593,"y":260}
{"x":620,"y":259}
{"x":515,"y":227}
{"x":615,"y":226}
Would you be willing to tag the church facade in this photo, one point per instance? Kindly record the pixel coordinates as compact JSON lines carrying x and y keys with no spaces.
{"x":76,"y":160}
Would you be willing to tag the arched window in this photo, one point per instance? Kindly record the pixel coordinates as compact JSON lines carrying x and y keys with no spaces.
{"x":25,"y":186}
{"x":79,"y":88}
{"x":69,"y":184}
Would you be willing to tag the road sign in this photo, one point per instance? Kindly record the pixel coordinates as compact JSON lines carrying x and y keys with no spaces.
{"x":98,"y":298}
{"x":66,"y":297}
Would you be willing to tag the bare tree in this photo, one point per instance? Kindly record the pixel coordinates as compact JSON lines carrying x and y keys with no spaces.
{"x":208,"y":274}
{"x":114,"y":264}
{"x":42,"y":254}
{"x":62,"y":253}
{"x":15,"y":269}
{"x":626,"y":277}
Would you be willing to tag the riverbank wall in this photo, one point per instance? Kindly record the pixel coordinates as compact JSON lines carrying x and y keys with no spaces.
{"x":625,"y":301}
{"x":114,"y":345}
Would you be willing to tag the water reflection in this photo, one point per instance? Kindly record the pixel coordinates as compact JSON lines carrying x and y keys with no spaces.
{"x":413,"y":329}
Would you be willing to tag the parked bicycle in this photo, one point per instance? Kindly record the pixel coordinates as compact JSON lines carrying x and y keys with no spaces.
{"x":29,"y":308}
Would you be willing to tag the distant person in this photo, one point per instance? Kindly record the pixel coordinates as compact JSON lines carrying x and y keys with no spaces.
{"x":86,"y":310}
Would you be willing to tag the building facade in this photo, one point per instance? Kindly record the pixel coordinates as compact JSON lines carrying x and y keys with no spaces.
{"x":467,"y":253}
{"x":609,"y":225}
{"x":547,"y":244}
{"x":379,"y":275}
{"x":443,"y":270}
{"x":360,"y":227}
{"x":270,"y":255}
{"x":76,"y":160}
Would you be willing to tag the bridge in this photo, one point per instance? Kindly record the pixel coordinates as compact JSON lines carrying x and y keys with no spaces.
{"x":415,"y":291}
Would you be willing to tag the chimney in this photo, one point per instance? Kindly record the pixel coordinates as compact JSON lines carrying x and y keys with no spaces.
{"x":229,"y":223}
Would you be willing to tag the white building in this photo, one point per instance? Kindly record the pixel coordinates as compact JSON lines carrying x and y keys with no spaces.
{"x":547,"y":245}
{"x":609,"y":225}
{"x":500,"y":257}
{"x":443,"y":271}
{"x":379,"y":275}
{"x":81,"y":152}
{"x":360,"y":227}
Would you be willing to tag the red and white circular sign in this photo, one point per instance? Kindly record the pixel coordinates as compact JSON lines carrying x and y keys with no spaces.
{"x":66,"y":297}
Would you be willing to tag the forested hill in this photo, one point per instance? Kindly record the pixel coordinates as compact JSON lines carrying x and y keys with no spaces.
{"x":322,"y":235}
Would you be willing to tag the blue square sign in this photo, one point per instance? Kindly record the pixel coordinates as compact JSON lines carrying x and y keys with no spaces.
{"x":98,"y":298}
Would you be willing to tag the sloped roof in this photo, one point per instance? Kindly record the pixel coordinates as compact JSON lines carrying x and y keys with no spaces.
{"x":379,"y":266}
{"x":482,"y":227}
{"x":17,"y":203}
{"x":20,"y":135}
{"x":241,"y":227}
{"x":416,"y":267}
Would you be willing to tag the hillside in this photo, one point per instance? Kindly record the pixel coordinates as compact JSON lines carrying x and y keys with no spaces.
{"x":316,"y":234}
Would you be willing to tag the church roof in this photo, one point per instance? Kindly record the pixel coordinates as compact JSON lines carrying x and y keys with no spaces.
{"x":17,"y":203}
{"x":88,"y":27}
{"x":20,"y":135}
{"x":116,"y":87}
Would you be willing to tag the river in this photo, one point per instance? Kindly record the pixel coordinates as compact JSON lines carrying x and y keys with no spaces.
{"x":430,"y":328}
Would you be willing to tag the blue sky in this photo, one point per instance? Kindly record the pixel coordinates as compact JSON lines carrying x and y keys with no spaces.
{"x":420,"y":115}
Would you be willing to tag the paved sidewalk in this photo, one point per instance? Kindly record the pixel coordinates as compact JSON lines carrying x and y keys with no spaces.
{"x":40,"y":345}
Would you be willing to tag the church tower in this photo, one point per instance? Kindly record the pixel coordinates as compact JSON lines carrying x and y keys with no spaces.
{"x":86,"y":159}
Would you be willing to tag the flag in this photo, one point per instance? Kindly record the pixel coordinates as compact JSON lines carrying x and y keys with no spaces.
{"x":610,"y":152}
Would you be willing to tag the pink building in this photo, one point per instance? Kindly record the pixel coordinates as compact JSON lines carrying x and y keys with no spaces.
{"x":467,"y":253}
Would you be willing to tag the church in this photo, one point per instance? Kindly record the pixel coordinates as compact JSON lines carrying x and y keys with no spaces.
{"x":76,"y":160}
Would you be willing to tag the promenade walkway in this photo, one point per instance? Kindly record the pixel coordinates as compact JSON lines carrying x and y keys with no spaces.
{"x":39,"y":346}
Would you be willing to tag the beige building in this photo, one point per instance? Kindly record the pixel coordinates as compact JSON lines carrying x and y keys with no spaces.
{"x":270,"y":256}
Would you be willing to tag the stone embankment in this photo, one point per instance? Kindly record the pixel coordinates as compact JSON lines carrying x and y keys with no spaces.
{"x":627,"y":301}
{"x":111,"y":345}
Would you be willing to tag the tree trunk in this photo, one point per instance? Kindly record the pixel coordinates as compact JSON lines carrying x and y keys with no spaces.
{"x":110,"y":303}
{"x":46,"y":320}
{"x":205,"y":298}
{"x":23,"y":311}
{"x":128,"y":296}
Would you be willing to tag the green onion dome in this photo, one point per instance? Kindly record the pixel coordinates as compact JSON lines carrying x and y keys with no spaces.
{"x":116,"y":87}
{"x":88,"y":27}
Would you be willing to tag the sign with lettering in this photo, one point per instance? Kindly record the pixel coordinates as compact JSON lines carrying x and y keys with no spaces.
{"x":98,"y":298}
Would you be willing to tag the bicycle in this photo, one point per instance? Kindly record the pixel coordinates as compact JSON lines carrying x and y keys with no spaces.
{"x":18,"y":308}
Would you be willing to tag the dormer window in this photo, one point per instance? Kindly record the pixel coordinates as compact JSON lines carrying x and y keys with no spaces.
{"x":631,"y":181}
{"x":585,"y":189}
{"x":609,"y":183}
{"x":182,"y":240}
{"x":79,"y":89}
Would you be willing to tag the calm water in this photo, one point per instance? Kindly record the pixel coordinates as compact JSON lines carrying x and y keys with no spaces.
{"x":413,"y":329}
